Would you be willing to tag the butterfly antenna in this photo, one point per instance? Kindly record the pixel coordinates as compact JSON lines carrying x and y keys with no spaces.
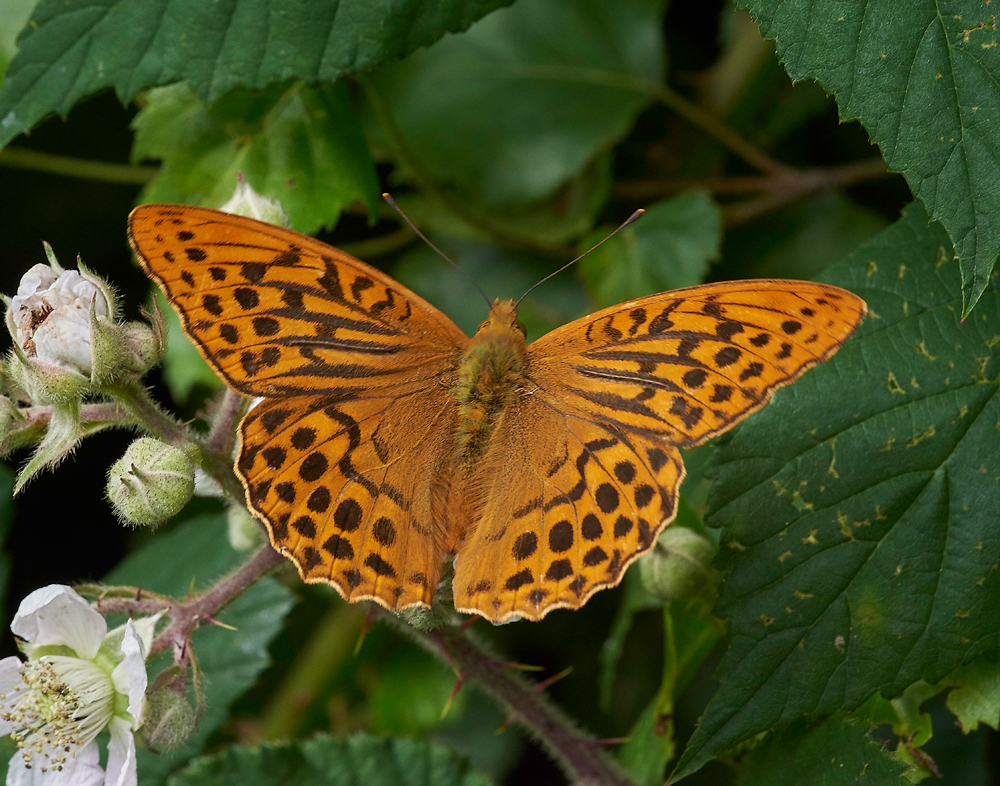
{"x":632,"y":218}
{"x":422,"y":236}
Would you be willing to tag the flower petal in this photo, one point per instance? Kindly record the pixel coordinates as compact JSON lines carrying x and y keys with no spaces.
{"x":83,"y":769}
{"x":10,"y":677}
{"x":122,"y":769}
{"x":129,"y":676}
{"x":56,"y":614}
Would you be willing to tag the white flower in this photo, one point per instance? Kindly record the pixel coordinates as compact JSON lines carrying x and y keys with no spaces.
{"x":49,"y":317}
{"x":79,"y":680}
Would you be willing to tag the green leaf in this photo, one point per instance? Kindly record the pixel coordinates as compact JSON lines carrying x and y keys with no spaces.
{"x":670,"y":247}
{"x":800,"y":241}
{"x":334,"y":761}
{"x":976,"y":697}
{"x":299,"y":145}
{"x":838,"y":752}
{"x":72,"y":48}
{"x":198,"y":550}
{"x":413,"y":690}
{"x":650,"y":746}
{"x":562,"y":219}
{"x":633,"y":600}
{"x":926,"y":86}
{"x":859,"y":506}
{"x":13,"y":15}
{"x":539,"y":106}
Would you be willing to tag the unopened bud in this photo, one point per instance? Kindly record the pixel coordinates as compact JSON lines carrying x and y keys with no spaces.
{"x":142,"y":345}
{"x":151,"y":482}
{"x":245,"y":532}
{"x":679,"y":566}
{"x":169,"y":719}
{"x":247,"y":202}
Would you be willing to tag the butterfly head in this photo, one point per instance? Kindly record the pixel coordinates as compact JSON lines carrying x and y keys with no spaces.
{"x":502,"y":318}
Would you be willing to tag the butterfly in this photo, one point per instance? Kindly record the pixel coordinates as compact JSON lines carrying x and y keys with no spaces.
{"x":388,"y":440}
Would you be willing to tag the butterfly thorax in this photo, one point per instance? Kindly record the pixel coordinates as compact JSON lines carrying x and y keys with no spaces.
{"x":490,"y":374}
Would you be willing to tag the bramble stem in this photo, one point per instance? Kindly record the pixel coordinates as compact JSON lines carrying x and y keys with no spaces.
{"x":774,"y":190}
{"x":187,"y":617}
{"x":577,"y":752}
{"x":223,"y":434}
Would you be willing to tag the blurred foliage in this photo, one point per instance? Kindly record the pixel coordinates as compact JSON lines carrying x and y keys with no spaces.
{"x":856,"y":514}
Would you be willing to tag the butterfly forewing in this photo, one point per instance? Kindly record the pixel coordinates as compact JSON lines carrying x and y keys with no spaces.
{"x":686,"y":365}
{"x":279,"y":313}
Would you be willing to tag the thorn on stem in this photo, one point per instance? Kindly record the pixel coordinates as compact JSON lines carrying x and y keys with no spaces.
{"x":214,"y":621}
{"x":547,"y":683}
{"x":451,"y":699}
{"x":603,"y":743}
{"x":369,"y":618}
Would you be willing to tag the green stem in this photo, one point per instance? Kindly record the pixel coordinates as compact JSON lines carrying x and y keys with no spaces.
{"x":127,"y":174}
{"x":330,"y":644}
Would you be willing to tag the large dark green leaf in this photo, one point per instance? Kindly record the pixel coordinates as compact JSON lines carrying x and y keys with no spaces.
{"x":72,"y":48}
{"x":925,"y":83}
{"x":515,"y":107}
{"x":198,"y":550}
{"x":334,"y":761}
{"x":860,"y":507}
{"x":838,"y":752}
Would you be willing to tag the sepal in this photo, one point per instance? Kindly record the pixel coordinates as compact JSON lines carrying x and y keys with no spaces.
{"x":61,"y":436}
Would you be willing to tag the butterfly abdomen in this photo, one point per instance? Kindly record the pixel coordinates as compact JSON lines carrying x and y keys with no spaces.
{"x":490,"y":373}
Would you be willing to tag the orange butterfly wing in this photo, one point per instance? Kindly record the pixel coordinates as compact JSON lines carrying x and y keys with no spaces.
{"x":596,"y":440}
{"x":344,"y":459}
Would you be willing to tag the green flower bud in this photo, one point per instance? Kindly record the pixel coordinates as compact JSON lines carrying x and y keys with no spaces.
{"x":169,"y":719}
{"x":679,"y":566}
{"x":245,"y":532}
{"x":247,"y":202}
{"x":121,"y":349}
{"x":143,"y":348}
{"x":150,"y":483}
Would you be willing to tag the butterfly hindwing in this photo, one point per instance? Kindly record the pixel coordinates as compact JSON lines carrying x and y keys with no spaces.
{"x":569,"y":504}
{"x":334,"y":478}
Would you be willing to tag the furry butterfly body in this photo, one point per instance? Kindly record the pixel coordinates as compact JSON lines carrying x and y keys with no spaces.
{"x":388,"y":440}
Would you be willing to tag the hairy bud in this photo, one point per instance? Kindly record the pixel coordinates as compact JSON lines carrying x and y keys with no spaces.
{"x":150,"y":483}
{"x":679,"y":566}
{"x":169,"y":719}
